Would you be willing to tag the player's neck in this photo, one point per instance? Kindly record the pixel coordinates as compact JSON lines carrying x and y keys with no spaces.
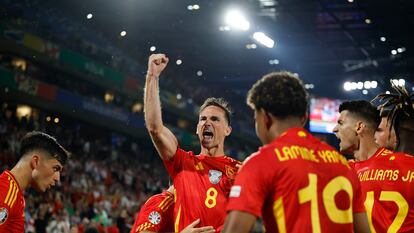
{"x":279,"y":127}
{"x":406,"y":147}
{"x":22,"y":174}
{"x":213,"y":152}
{"x":366,"y":149}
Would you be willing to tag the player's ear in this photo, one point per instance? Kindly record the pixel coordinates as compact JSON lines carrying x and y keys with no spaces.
{"x":34,"y":161}
{"x":360,"y":126}
{"x":228,"y":130}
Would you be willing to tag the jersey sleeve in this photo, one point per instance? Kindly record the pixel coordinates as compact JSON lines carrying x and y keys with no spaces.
{"x":153,"y":215}
{"x":174,"y":165}
{"x":249,"y":190}
{"x":7,"y":192}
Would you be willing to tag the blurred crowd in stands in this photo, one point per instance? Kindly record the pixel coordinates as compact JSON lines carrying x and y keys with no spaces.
{"x":103,"y":185}
{"x":53,"y":25}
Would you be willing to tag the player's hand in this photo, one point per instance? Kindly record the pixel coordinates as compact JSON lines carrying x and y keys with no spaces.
{"x":192,"y":229}
{"x":156,"y":64}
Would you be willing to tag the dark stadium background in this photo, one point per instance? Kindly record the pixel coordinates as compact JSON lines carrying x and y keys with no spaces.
{"x":66,"y":69}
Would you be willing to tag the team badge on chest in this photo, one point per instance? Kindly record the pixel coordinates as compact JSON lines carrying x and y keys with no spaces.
{"x":3,"y":215}
{"x":154,"y":217}
{"x":214,"y":176}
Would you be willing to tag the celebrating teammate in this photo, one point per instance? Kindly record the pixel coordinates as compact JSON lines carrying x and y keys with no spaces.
{"x":203,"y":181}
{"x":386,"y":177}
{"x":40,"y":164}
{"x":295,"y":182}
{"x":385,"y":134}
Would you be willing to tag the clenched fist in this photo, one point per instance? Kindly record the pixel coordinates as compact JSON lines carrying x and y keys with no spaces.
{"x":156,"y":64}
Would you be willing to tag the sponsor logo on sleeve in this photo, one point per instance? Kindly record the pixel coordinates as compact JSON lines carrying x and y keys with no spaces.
{"x":3,"y":215}
{"x":235,"y":191}
{"x":154,"y":217}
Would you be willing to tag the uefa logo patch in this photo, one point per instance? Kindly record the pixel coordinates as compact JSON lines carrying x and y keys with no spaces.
{"x":214,"y":176}
{"x":154,"y":217}
{"x":3,"y":215}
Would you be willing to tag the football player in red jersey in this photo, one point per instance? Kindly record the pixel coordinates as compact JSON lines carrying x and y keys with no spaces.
{"x":202,"y":181}
{"x":401,"y":116}
{"x":385,"y":176}
{"x":295,"y":182}
{"x":41,"y":162}
{"x":385,"y":134}
{"x":157,"y":215}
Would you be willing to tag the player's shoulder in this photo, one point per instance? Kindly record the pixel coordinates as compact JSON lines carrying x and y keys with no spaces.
{"x":5,"y":182}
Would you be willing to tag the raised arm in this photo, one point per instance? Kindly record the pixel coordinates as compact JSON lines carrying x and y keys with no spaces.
{"x":164,"y":140}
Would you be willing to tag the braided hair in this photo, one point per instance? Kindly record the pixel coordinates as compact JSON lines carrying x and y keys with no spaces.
{"x":400,"y":106}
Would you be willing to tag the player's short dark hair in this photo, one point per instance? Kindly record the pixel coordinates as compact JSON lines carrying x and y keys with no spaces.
{"x":280,"y":93}
{"x":41,"y":141}
{"x":218,"y":102}
{"x":364,"y":110}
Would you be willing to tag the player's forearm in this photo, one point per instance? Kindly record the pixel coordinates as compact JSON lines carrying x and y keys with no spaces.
{"x":152,"y":105}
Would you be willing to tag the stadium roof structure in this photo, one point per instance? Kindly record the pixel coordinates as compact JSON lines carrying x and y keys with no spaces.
{"x":327,"y":42}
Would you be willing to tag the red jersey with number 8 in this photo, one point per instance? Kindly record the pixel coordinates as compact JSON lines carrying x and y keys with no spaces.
{"x":202,"y":185}
{"x":298,"y":184}
{"x":387,"y":183}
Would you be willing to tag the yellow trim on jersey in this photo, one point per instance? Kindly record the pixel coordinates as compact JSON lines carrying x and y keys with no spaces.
{"x":279,"y":214}
{"x":177,"y":220}
{"x":8,"y":192}
{"x":166,"y":199}
{"x":167,"y":203}
{"x":15,"y":196}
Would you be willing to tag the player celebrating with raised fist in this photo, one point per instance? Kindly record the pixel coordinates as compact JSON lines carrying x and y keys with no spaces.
{"x":202,"y":181}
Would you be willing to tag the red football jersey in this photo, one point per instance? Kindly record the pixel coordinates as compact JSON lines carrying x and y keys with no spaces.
{"x":11,"y":204}
{"x":387,"y":183}
{"x":202,"y":184}
{"x":157,"y":214}
{"x":298,"y":184}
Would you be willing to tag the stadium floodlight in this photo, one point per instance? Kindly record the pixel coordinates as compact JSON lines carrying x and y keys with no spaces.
{"x":360,"y":85}
{"x":394,"y":52}
{"x":236,"y":20}
{"x":354,"y":86}
{"x":367,"y":84}
{"x":365,"y":92}
{"x":263,"y":39}
{"x":89,"y":16}
{"x":374,"y":84}
{"x":383,"y":39}
{"x":401,"y":82}
{"x":347,"y":86}
{"x":153,"y":48}
{"x":179,"y":62}
{"x":123,"y":33}
{"x":196,"y":7}
{"x":199,"y":73}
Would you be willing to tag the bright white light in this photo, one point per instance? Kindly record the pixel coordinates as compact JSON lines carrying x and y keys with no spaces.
{"x":393,"y":52}
{"x":387,"y":92}
{"x":199,"y":73}
{"x":354,"y":86}
{"x":253,"y":46}
{"x":236,"y":20}
{"x":360,"y":85}
{"x":412,"y":88}
{"x":263,"y":39}
{"x":153,"y":48}
{"x":367,"y":84}
{"x":190,"y":7}
{"x":350,"y":1}
{"x":365,"y":92}
{"x":401,"y":82}
{"x":383,"y":39}
{"x":347,"y":86}
{"x":367,"y":21}
{"x":400,"y":50}
{"x":374,"y":84}
{"x":179,"y":96}
{"x":179,"y":62}
{"x":89,"y":16}
{"x":196,"y":7}
{"x":123,"y":33}
{"x":309,"y":86}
